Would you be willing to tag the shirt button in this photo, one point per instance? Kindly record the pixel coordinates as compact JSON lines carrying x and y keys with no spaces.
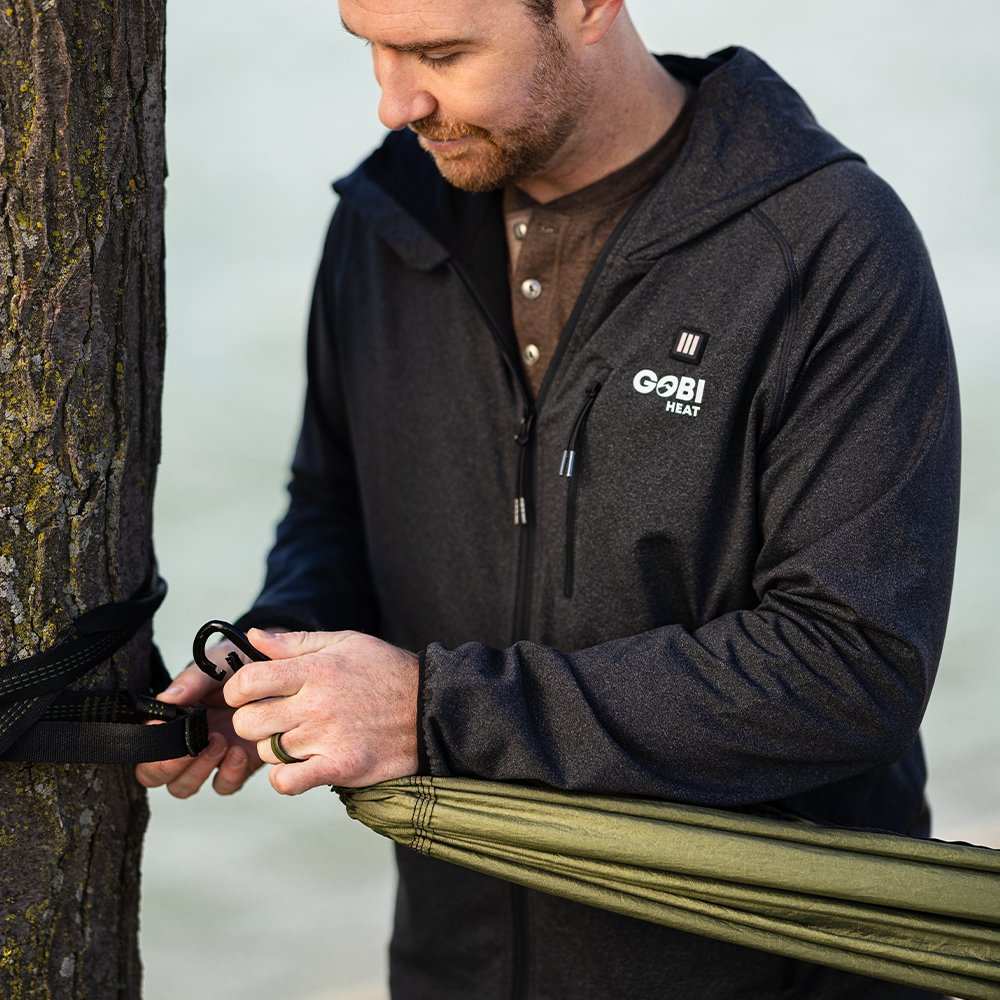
{"x":531,"y":354}
{"x":520,"y":230}
{"x":531,"y":288}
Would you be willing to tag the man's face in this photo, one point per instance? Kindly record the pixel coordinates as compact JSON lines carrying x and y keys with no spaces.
{"x":492,"y":95}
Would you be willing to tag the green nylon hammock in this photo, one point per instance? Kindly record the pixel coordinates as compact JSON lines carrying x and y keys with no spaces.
{"x":925,"y":913}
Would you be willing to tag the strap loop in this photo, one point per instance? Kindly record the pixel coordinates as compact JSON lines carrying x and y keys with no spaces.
{"x":123,"y":739}
{"x":41,"y":721}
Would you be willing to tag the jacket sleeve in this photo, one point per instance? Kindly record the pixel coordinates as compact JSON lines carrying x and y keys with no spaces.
{"x":829,"y":674}
{"x":317,"y":574}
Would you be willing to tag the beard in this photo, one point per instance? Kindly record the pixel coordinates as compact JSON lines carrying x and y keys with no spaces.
{"x":558,"y":96}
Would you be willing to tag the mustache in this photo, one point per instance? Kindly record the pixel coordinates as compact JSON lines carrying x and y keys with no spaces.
{"x":438,"y":131}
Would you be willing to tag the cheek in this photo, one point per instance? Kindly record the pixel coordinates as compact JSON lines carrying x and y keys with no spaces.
{"x":485,"y":97}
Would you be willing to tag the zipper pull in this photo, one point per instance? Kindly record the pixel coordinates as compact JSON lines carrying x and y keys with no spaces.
{"x":522,"y":437}
{"x":569,"y":454}
{"x":524,"y":432}
{"x":568,"y":459}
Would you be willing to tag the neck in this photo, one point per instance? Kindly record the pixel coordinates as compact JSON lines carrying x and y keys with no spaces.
{"x":638,"y":100}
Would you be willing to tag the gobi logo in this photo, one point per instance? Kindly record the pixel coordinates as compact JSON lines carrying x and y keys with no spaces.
{"x":683,"y":393}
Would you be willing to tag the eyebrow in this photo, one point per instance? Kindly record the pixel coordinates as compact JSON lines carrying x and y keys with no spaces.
{"x":430,"y":44}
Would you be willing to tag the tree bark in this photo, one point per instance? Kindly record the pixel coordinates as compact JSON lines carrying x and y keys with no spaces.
{"x":82,"y":340}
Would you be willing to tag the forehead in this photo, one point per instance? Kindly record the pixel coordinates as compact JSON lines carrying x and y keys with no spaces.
{"x":398,"y":23}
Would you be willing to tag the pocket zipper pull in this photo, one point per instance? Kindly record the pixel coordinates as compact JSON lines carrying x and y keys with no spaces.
{"x":566,"y":467}
{"x":569,"y":454}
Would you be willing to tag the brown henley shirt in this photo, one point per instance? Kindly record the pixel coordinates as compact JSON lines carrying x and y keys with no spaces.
{"x":553,"y":246}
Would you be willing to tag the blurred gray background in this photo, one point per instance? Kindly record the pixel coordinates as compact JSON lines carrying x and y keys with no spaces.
{"x":262,"y":896}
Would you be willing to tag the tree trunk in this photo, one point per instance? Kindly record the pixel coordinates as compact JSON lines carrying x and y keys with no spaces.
{"x":82,"y":341}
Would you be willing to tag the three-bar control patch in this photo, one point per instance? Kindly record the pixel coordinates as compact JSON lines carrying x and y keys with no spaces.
{"x":689,"y":345}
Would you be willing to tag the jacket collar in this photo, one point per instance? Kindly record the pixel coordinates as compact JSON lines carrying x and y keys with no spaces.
{"x":751,"y":135}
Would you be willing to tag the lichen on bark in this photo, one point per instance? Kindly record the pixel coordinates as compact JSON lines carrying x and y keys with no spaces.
{"x":82,"y":339}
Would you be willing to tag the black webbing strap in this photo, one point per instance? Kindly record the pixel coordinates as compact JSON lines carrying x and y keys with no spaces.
{"x":108,"y":727}
{"x":41,"y":721}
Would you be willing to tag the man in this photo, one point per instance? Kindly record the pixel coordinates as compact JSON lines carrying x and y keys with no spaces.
{"x":629,"y":463}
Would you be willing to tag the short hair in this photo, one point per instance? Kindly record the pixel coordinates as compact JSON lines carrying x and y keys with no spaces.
{"x":543,"y":11}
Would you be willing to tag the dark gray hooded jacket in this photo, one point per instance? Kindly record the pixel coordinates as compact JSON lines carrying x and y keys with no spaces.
{"x":739,"y":596}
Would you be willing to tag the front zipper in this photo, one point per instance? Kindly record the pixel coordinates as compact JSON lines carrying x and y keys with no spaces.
{"x":567,"y":468}
{"x":518,"y":944}
{"x":531,"y":408}
{"x":524,"y":439}
{"x":518,"y":902}
{"x":522,"y":601}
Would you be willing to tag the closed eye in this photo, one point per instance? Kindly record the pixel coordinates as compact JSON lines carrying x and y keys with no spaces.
{"x":437,"y":61}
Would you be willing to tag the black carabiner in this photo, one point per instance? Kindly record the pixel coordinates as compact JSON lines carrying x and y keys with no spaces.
{"x":236,"y":637}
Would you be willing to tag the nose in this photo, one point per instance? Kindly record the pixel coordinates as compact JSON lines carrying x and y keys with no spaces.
{"x":402,"y":101}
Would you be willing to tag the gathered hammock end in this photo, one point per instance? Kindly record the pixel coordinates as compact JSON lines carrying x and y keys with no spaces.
{"x":923,"y":913}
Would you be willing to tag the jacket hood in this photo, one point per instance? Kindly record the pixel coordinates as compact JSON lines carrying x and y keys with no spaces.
{"x":751,"y":135}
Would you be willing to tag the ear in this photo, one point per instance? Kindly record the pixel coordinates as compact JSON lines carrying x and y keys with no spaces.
{"x":596,"y":18}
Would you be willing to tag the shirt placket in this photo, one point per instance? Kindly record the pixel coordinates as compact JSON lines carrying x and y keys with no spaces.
{"x":535,"y":244}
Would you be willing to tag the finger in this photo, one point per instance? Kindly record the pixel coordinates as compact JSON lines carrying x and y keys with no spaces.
{"x":156,"y":773}
{"x":152,"y":774}
{"x":261,"y":718}
{"x":274,"y":679}
{"x":233,"y":772}
{"x":286,"y":645}
{"x":291,"y":742}
{"x":191,"y":779}
{"x":293,"y":779}
{"x":190,"y":686}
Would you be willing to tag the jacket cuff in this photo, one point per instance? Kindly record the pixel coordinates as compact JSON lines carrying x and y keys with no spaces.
{"x":265,"y":615}
{"x":423,"y":761}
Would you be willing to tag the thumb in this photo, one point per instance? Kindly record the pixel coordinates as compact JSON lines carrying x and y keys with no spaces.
{"x":285,"y":645}
{"x":190,"y":686}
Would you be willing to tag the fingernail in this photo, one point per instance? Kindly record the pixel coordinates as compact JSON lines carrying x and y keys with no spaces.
{"x":175,"y":690}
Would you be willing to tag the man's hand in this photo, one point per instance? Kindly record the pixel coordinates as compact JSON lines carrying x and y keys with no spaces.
{"x":235,"y":758}
{"x":345,"y":702}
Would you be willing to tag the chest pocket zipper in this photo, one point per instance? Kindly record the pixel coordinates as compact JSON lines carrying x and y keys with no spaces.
{"x":568,"y":467}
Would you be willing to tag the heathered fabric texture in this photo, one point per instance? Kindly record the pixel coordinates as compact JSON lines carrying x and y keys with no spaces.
{"x":757,"y":594}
